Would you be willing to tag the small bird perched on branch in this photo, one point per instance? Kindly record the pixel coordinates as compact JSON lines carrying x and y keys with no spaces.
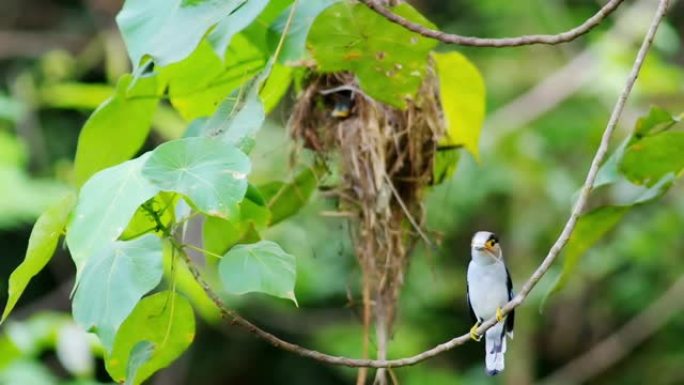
{"x":489,"y":289}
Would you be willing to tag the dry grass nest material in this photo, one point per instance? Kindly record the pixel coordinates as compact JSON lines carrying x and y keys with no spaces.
{"x":385,"y":159}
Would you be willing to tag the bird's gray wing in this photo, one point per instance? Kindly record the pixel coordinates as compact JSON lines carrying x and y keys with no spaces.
{"x":510,"y":319}
{"x":473,"y":317}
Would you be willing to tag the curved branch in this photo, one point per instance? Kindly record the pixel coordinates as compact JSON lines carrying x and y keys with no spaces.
{"x":553,"y":253}
{"x":448,"y":38}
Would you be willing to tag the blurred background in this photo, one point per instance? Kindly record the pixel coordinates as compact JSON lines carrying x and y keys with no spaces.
{"x":547,"y":107}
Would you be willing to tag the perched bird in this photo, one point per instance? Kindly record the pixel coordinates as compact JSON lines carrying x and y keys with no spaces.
{"x":489,"y":289}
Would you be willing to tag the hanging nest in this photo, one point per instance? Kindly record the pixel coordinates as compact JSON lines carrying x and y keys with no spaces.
{"x":386,"y":161}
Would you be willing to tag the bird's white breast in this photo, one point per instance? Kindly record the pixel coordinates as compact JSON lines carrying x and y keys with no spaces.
{"x":487,"y":288}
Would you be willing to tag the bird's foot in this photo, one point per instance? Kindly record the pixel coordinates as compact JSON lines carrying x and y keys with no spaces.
{"x":499,"y":314}
{"x":473,"y":333}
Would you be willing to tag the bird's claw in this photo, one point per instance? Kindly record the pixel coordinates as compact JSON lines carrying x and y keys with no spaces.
{"x":499,"y":314}
{"x":473,"y":333}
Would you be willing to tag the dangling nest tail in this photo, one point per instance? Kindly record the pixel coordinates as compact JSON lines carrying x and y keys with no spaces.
{"x":386,"y":158}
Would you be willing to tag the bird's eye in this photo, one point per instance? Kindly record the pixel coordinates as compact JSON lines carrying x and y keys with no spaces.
{"x":490,"y":243}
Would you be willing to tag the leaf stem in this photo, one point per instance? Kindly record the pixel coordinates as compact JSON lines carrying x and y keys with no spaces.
{"x":201,"y":250}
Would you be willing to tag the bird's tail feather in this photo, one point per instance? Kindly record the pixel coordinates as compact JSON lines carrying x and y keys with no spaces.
{"x":495,"y":345}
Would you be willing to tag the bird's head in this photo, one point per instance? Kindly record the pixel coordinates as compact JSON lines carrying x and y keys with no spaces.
{"x":485,"y":247}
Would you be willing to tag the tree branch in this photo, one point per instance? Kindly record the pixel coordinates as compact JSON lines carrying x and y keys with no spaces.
{"x":448,"y":38}
{"x":553,"y":253}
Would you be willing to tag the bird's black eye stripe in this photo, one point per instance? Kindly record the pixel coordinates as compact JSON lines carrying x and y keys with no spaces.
{"x":493,"y":238}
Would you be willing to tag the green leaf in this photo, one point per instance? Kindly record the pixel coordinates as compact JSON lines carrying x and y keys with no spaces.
{"x":650,"y":156}
{"x":212,"y":174}
{"x":219,"y":235}
{"x":169,"y":30}
{"x":75,"y":95}
{"x":254,"y":194}
{"x":294,"y":45}
{"x":648,"y":159}
{"x":166,"y":321}
{"x":42,"y":244}
{"x":143,"y":222}
{"x":462,"y":94}
{"x":255,"y":213}
{"x":258,"y":32}
{"x":657,"y":119}
{"x":140,"y":354}
{"x":105,"y":206}
{"x":647,"y":194}
{"x":200,"y":82}
{"x":238,"y":119}
{"x":389,"y":60}
{"x":286,"y":199}
{"x":118,"y":128}
{"x":445,"y":163}
{"x":113,"y":282}
{"x":592,"y":226}
{"x":223,"y":33}
{"x":609,"y":172}
{"x":241,"y":115}
{"x":276,"y":86}
{"x":259,"y":267}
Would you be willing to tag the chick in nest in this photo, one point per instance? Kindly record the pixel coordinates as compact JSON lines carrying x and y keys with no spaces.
{"x":342,"y":100}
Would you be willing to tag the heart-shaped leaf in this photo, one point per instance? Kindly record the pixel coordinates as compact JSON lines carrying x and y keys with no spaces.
{"x":294,"y":45}
{"x":221,"y":36}
{"x":168,"y":30}
{"x":105,"y":206}
{"x":165,"y":320}
{"x":112,"y":283}
{"x":238,"y":119}
{"x":389,"y":60}
{"x":259,"y":267}
{"x":211,"y":173}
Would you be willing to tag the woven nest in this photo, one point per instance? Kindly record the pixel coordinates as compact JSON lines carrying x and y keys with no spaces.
{"x":385,"y":161}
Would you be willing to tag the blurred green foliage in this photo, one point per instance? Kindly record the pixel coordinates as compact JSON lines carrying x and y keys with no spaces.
{"x":521,"y":187}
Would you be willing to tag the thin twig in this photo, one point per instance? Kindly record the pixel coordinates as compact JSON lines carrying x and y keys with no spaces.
{"x":363,"y":371}
{"x":203,"y":251}
{"x":619,"y":344}
{"x":448,"y":38}
{"x":406,"y":211}
{"x":553,"y":253}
